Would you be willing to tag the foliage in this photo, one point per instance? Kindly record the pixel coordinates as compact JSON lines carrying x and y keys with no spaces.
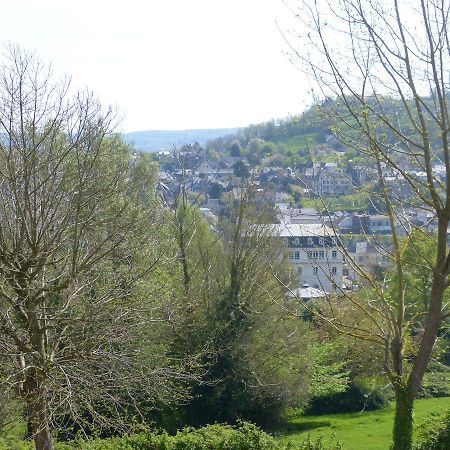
{"x":355,"y":398}
{"x":436,"y":382}
{"x":243,"y":436}
{"x":248,"y":374}
{"x":435,"y":434}
{"x":316,"y":444}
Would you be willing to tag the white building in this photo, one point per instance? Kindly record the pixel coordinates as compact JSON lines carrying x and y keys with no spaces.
{"x":314,"y":252}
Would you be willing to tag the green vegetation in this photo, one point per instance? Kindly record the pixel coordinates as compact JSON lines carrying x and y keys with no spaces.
{"x":355,"y":431}
{"x":358,"y":202}
{"x":243,"y":436}
{"x":359,"y":431}
{"x":435,"y":434}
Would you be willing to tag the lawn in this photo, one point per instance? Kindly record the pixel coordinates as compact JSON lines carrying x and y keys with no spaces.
{"x":359,"y":431}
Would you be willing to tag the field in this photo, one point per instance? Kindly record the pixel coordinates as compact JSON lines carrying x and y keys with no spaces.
{"x":358,"y":431}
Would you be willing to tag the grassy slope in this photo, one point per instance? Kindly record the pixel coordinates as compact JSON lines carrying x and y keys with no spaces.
{"x":359,"y":431}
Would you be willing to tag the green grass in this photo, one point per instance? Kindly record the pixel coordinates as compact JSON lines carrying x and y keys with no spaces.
{"x":358,"y":431}
{"x":302,"y":142}
{"x":352,"y":202}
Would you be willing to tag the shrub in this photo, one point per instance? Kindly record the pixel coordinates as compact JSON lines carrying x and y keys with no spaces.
{"x":244,"y":436}
{"x":436,"y":384}
{"x":435,"y":434}
{"x":318,"y":444}
{"x":355,"y":398}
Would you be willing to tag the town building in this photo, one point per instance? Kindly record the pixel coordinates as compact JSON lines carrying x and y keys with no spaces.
{"x":314,"y":252}
{"x":287,"y":213}
{"x":327,"y":180}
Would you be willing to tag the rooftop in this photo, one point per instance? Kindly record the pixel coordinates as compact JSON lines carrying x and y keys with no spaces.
{"x":303,"y":229}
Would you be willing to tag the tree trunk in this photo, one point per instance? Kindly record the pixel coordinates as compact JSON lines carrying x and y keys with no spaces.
{"x":35,"y":399}
{"x":403,"y":420}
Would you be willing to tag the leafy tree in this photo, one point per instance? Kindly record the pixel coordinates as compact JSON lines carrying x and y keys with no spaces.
{"x":241,"y":170}
{"x":235,"y":149}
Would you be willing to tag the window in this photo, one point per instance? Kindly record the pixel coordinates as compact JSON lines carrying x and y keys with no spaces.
{"x":309,"y":241}
{"x":296,"y":241}
{"x":315,"y":270}
{"x":334,"y":270}
{"x":291,"y":255}
{"x":321,"y":241}
{"x":296,"y":255}
{"x":334,"y":254}
{"x":299,"y":270}
{"x":316,"y":254}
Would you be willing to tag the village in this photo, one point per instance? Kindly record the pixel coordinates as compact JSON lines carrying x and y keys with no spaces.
{"x":328,"y":247}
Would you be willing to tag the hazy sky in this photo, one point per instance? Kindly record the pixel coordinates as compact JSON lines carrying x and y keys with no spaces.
{"x":168,"y":64}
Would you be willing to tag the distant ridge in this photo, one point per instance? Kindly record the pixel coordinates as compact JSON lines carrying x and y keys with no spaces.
{"x":157,"y":140}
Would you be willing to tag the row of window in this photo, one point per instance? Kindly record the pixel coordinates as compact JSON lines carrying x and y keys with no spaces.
{"x":316,"y":270}
{"x":313,"y":254}
{"x":310,"y":241}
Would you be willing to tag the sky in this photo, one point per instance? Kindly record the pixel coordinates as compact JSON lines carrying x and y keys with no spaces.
{"x":168,"y":64}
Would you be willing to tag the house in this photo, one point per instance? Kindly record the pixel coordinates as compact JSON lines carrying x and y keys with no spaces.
{"x":333,"y":181}
{"x":370,"y":258}
{"x":327,"y":180}
{"x":379,"y":224}
{"x":314,"y":252}
{"x":353,"y":224}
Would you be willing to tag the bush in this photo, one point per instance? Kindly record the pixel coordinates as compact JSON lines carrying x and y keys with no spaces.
{"x":436,"y":384}
{"x":435,"y":434}
{"x":244,"y":436}
{"x":355,"y":398}
{"x":318,"y":444}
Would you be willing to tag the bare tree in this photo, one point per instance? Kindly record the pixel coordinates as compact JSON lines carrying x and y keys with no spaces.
{"x":187,"y":159}
{"x":75,"y":235}
{"x":379,"y":71}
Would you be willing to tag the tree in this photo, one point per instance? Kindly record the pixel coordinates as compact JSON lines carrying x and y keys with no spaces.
{"x":187,"y":158}
{"x":75,"y":235}
{"x":379,"y":71}
{"x":248,"y":374}
{"x":235,"y":149}
{"x":241,"y":170}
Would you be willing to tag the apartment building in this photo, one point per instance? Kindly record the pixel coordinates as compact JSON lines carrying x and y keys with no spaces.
{"x":314,"y":252}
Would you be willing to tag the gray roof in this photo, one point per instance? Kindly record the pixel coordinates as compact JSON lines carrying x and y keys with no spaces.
{"x":303,"y":229}
{"x":366,"y":247}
